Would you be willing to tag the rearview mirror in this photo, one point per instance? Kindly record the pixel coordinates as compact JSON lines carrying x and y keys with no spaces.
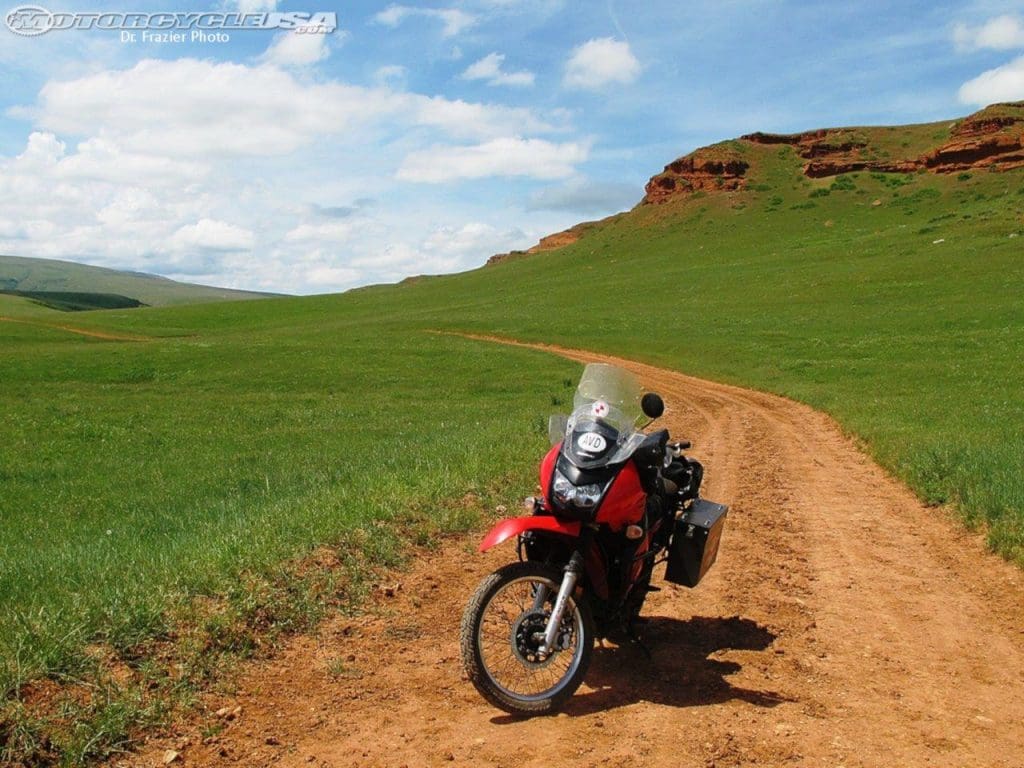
{"x":652,"y":405}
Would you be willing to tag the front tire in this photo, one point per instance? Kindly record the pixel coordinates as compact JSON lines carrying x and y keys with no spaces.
{"x":499,"y":648}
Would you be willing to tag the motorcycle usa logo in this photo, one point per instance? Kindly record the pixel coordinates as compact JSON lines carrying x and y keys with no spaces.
{"x":34,"y":20}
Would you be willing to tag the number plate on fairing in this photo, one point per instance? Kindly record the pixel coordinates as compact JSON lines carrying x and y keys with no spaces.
{"x":591,"y":442}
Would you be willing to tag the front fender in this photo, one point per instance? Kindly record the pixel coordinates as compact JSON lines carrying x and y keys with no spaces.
{"x":514,"y":526}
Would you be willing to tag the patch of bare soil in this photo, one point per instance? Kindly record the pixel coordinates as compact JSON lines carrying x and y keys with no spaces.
{"x":844,"y":625}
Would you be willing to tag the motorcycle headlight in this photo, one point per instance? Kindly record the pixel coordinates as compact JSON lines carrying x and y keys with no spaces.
{"x":564,"y":491}
{"x":582,"y":497}
{"x":587,"y":496}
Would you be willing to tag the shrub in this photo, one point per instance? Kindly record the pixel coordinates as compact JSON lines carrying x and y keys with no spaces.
{"x":843,"y":184}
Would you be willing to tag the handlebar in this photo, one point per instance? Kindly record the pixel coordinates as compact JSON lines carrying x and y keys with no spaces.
{"x":681,"y":445}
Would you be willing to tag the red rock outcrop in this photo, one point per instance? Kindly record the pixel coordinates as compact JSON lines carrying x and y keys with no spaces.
{"x":824,"y":142}
{"x":710,"y":169}
{"x":981,"y":124}
{"x":984,"y":139}
{"x":828,"y":151}
{"x":832,"y":166}
{"x":548,"y":243}
{"x":556,"y":240}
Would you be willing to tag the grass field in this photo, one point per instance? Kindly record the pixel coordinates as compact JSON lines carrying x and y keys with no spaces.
{"x":139,"y":475}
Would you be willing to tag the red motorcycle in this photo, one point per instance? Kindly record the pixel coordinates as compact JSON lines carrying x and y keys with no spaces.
{"x":616,"y":502}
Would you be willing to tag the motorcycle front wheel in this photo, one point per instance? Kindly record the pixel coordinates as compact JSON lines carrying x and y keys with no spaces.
{"x":501,"y":634}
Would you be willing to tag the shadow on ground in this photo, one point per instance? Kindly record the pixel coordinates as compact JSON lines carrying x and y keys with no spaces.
{"x":675,"y":670}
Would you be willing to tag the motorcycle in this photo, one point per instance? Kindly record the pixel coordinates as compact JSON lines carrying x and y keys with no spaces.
{"x":615,"y":503}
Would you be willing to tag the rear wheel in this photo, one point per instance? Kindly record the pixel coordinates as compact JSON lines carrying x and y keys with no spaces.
{"x":502,"y":631}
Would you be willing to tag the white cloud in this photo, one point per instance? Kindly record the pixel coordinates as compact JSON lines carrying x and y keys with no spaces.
{"x":332,"y":232}
{"x":600,"y":62}
{"x":258,"y":176}
{"x":474,"y":240}
{"x":130,"y":206}
{"x":469,"y":119}
{"x":1001,"y":33}
{"x":489,"y":68}
{"x":212,"y":235}
{"x":1005,"y":83}
{"x":204,"y":107}
{"x":103,"y":160}
{"x":289,"y":49}
{"x":446,"y":248}
{"x":208,"y":109}
{"x":328,"y":277}
{"x":454,"y":20}
{"x":511,"y":156}
{"x":42,"y":149}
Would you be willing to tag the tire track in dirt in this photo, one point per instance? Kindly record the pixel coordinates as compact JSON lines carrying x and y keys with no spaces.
{"x":105,"y":336}
{"x":844,"y":625}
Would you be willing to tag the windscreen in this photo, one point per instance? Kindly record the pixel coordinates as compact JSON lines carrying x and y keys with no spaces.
{"x":606,"y":409}
{"x":610,"y":393}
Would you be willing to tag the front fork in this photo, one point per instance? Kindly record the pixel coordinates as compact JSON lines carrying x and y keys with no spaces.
{"x":573,"y":571}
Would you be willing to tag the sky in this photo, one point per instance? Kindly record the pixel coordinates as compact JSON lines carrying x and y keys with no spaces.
{"x":424,"y":138}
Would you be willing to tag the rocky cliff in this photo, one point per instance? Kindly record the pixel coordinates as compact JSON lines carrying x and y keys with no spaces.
{"x":992,"y":139}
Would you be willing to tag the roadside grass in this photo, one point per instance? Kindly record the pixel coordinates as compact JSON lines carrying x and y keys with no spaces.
{"x":145,"y":483}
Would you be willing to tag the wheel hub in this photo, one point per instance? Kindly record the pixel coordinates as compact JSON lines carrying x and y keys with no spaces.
{"x":527,"y":636}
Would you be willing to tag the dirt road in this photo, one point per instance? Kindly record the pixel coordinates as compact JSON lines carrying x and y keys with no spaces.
{"x":844,"y":625}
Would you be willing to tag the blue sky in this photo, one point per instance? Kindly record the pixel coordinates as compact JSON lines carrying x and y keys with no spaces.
{"x":423,"y":138}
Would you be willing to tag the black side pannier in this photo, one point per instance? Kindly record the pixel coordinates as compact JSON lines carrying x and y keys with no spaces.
{"x":695,"y":542}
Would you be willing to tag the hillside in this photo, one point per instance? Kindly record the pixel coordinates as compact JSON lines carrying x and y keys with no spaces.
{"x":991,"y":139}
{"x":49,"y":276}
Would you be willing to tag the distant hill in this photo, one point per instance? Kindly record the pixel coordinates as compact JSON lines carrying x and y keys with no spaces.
{"x":45,"y":280}
{"x":990,"y":140}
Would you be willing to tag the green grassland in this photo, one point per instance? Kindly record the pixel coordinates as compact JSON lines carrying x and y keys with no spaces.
{"x":137,"y":476}
{"x":140,"y":476}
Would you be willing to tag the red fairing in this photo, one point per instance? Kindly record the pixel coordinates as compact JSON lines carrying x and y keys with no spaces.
{"x":547,"y":470}
{"x":506,"y":529}
{"x":624,"y":503}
